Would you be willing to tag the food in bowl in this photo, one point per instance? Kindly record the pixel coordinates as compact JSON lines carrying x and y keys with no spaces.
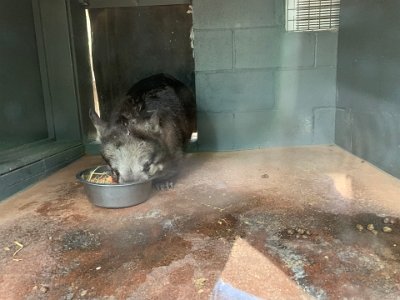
{"x":103,"y":176}
{"x":102,"y":190}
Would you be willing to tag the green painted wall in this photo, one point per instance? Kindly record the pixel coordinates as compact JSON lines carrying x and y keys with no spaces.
{"x":38,"y":92}
{"x":257,"y":85}
{"x":22,"y":113}
{"x":368,"y":114}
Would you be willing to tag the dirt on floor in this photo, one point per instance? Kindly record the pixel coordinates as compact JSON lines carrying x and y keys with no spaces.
{"x":328,"y":221}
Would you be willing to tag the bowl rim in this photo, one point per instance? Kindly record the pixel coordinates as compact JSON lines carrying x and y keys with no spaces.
{"x":80,"y":179}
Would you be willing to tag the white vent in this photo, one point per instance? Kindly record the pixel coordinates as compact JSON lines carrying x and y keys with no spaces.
{"x":312,"y":15}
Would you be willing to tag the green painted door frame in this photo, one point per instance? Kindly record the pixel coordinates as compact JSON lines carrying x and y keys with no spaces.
{"x":62,"y":73}
{"x":57,"y":65}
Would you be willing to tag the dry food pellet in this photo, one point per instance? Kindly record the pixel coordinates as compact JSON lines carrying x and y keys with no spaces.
{"x":360,"y":227}
{"x":387,"y":229}
{"x":370,"y":227}
{"x":300,"y":230}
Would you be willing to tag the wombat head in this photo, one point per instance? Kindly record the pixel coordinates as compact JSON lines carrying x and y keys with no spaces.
{"x":134,"y":153}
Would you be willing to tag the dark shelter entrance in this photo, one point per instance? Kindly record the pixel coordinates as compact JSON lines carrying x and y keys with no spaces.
{"x":131,"y":43}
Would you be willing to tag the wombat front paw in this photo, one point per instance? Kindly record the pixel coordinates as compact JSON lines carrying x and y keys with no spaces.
{"x":164,"y":185}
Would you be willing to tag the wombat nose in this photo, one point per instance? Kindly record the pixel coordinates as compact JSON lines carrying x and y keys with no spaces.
{"x":127,"y":178}
{"x":115,"y":175}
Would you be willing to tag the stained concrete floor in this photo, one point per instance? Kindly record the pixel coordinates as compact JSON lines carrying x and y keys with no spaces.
{"x":233,"y":217}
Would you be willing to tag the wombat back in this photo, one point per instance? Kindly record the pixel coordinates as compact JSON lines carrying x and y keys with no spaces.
{"x":145,"y":136}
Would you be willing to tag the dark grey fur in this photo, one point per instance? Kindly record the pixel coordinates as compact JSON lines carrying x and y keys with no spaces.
{"x":147,"y":131}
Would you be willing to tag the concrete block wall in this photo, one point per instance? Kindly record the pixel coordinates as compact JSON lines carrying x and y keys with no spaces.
{"x":368,"y":81}
{"x":258,"y":85}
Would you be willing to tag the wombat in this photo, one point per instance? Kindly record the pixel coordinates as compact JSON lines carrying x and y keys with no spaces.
{"x":147,"y":132}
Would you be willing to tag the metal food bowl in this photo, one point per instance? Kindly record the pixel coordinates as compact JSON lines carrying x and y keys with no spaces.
{"x":114,"y":195}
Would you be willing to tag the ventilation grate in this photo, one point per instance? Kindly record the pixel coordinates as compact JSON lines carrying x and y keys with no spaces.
{"x":312,"y":15}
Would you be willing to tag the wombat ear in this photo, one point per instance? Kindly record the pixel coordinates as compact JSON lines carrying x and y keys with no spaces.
{"x":97,"y":122}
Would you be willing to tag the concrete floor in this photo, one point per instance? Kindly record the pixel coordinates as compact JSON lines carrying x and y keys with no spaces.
{"x":228,"y":220}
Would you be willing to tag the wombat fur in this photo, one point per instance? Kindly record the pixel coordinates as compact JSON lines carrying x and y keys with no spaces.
{"x":147,"y":132}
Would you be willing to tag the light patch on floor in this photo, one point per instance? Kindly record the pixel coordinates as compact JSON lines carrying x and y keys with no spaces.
{"x":343,"y":184}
